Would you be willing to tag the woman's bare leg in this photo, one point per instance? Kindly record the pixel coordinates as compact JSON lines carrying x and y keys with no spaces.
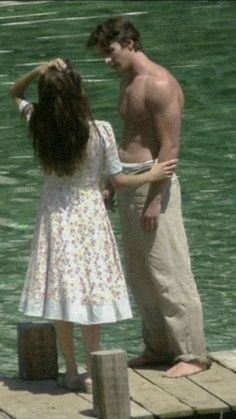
{"x":65,"y":336}
{"x":91,"y":340}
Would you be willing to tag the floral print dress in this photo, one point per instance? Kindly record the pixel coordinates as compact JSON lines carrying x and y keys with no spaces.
{"x":74,"y":270}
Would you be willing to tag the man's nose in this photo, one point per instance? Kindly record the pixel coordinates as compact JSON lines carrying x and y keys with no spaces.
{"x":108,"y":60}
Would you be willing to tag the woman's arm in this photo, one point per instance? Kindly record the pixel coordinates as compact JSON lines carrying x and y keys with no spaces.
{"x":119,"y":180}
{"x":17,"y":90}
{"x":158,"y":172}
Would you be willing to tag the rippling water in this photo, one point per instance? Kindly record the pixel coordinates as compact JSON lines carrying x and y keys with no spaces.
{"x":196,"y":41}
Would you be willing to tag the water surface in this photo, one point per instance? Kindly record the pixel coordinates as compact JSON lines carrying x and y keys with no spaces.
{"x":195,"y":40}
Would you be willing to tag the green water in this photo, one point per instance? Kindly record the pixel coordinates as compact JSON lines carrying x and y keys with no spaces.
{"x":196,"y":41}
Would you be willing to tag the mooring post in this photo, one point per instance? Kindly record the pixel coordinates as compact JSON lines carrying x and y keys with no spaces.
{"x":110,"y":384}
{"x":37,"y":351}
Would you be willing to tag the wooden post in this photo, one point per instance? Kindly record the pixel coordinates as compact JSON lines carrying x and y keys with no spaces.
{"x":110,"y":384}
{"x":37,"y":351}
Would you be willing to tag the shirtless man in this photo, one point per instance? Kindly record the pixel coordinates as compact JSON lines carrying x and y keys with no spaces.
{"x":158,"y":263}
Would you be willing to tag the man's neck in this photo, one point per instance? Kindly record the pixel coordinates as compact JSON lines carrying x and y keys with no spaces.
{"x":138,"y":65}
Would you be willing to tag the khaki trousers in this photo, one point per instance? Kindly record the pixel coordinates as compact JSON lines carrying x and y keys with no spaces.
{"x":159,"y":274}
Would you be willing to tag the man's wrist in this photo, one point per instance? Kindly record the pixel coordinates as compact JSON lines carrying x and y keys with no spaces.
{"x":157,"y":198}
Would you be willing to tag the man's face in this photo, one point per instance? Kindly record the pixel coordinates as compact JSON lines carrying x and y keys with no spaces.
{"x":117,"y":56}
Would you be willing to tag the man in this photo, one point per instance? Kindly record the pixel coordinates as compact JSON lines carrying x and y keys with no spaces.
{"x":158,"y":263}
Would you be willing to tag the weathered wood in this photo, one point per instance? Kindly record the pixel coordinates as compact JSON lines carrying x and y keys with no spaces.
{"x":154,"y":399}
{"x":37,"y":351}
{"x":44,"y":399}
{"x":138,"y":412}
{"x":186,"y":391}
{"x":4,"y":415}
{"x":158,"y":396}
{"x":110,"y":384}
{"x":225,"y":358}
{"x":218,"y":381}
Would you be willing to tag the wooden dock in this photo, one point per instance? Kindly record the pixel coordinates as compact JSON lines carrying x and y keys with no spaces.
{"x":210,"y":394}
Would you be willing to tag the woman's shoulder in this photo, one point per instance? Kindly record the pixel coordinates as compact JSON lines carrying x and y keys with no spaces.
{"x":104,"y":128}
{"x":102,"y":123}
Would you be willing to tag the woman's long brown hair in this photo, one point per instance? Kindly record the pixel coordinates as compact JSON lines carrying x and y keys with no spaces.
{"x":59,"y":124}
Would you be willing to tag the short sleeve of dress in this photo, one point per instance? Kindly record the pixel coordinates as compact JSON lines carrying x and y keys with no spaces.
{"x":112,"y":162}
{"x":25,"y":109}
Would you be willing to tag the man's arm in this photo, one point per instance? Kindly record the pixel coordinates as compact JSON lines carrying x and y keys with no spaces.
{"x":165,"y":108}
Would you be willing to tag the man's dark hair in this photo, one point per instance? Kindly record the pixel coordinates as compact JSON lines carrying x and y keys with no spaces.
{"x":115,"y":29}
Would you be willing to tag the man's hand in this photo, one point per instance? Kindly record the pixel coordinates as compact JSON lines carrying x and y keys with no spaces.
{"x":151,"y":214}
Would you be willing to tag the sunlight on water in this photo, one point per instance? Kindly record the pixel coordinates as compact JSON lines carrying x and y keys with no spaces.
{"x":195,"y":40}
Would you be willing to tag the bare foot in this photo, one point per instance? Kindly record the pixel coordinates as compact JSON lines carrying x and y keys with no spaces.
{"x":72,"y":382}
{"x":184,"y":369}
{"x":88,"y":383}
{"x":141,"y":361}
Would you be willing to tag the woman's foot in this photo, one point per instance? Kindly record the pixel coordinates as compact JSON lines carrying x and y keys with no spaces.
{"x":79,"y":383}
{"x":88,"y":384}
{"x":72,"y":382}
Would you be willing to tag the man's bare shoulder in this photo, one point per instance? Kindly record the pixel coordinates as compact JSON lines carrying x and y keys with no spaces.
{"x":160,"y":77}
{"x":161,"y":86}
{"x":152,"y":81}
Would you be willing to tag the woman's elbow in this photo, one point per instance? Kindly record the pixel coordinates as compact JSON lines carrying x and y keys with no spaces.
{"x":13,"y":92}
{"x":117,"y":182}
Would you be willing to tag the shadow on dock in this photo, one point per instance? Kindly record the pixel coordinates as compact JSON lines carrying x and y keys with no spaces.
{"x":208,"y":395}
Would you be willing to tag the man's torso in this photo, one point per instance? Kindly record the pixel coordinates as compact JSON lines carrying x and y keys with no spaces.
{"x":140,"y":140}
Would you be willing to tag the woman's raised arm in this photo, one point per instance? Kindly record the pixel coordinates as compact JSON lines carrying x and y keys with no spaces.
{"x":17,"y":90}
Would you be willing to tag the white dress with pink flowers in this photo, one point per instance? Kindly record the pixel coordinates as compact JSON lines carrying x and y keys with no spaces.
{"x":74,"y":271}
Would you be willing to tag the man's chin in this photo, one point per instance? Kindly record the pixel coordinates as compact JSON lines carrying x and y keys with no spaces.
{"x":118,"y":69}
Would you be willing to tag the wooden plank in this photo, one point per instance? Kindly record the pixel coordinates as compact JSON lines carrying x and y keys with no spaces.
{"x":4,"y":415}
{"x":220,"y":382}
{"x":200,"y":400}
{"x":137,"y":411}
{"x":45,"y":399}
{"x":225,"y":358}
{"x":154,"y":399}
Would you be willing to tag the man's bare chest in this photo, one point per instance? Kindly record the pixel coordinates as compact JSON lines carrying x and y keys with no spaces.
{"x":132,"y":106}
{"x":132,"y":102}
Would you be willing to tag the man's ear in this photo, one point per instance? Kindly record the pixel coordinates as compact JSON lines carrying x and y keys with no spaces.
{"x":130,"y":44}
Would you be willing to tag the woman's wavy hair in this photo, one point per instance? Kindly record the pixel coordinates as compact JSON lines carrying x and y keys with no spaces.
{"x":59,"y":124}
